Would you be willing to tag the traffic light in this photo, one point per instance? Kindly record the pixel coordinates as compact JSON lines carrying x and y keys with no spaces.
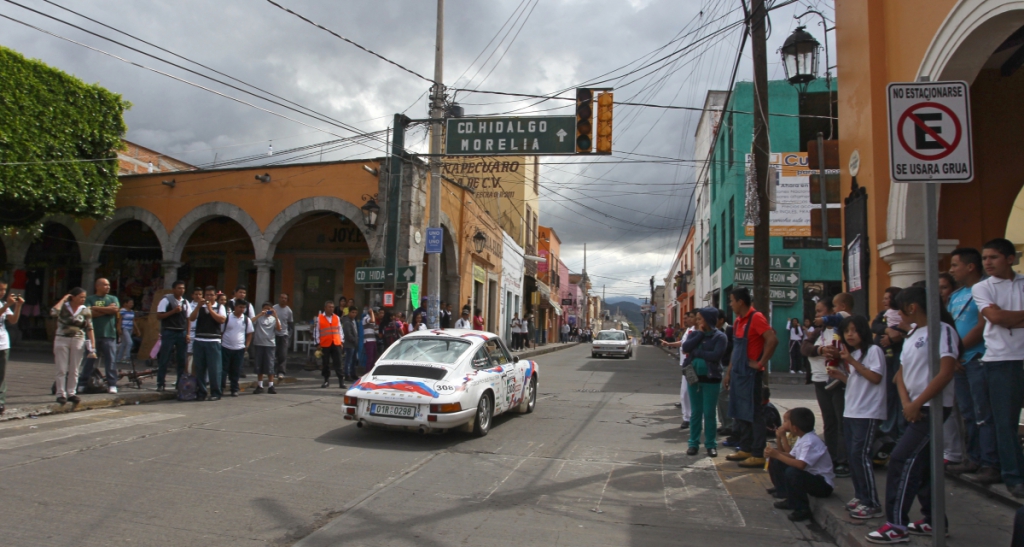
{"x":584,"y":121}
{"x":604,"y":123}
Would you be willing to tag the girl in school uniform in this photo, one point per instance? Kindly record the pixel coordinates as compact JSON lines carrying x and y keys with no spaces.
{"x":862,"y":369}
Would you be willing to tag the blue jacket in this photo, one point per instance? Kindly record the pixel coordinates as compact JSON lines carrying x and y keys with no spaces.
{"x":709,"y":346}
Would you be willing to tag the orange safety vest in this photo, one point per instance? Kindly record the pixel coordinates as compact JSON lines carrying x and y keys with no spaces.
{"x":330,"y":331}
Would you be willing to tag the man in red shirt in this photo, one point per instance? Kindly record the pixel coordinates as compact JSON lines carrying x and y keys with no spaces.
{"x":754,"y":342}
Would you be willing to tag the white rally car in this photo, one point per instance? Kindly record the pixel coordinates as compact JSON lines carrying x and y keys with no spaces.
{"x":443,"y":379}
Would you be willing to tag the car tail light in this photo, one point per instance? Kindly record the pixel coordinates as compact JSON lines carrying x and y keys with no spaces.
{"x":351,"y":401}
{"x":446,"y":408}
{"x":431,"y":418}
{"x":351,"y":411}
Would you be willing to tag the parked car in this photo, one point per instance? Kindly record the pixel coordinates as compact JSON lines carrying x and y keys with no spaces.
{"x":441,"y":380}
{"x":611,"y":342}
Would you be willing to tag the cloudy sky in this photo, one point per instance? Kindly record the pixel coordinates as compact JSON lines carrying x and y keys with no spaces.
{"x":629,"y":208}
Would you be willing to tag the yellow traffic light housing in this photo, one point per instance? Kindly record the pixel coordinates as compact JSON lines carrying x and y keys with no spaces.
{"x":584,"y":121}
{"x":604,"y":123}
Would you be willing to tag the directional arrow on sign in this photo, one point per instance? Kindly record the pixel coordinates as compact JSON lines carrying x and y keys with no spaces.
{"x":791,"y":261}
{"x":793,"y":278}
{"x":561,"y":135}
{"x":792,"y":295}
{"x":408,"y":275}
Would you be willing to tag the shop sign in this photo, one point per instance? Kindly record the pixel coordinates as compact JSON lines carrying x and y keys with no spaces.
{"x":389,"y":299}
{"x":368,"y":275}
{"x":479,"y":274}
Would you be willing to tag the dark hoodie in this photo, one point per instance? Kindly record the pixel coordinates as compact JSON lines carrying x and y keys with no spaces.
{"x":709,"y":346}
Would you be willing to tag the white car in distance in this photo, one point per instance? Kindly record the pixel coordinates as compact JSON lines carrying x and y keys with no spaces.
{"x":441,"y":380}
{"x":611,"y":342}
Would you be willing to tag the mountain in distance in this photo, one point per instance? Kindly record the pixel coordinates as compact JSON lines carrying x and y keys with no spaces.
{"x":631,"y":299}
{"x":630,"y":310}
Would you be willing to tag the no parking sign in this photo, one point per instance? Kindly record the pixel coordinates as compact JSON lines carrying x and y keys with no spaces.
{"x":930,"y":132}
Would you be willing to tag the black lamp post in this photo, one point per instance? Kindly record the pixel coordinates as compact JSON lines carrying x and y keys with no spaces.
{"x":370,"y":211}
{"x":800,"y":59}
{"x":479,"y":241}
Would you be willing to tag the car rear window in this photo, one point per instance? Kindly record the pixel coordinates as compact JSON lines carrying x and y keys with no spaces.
{"x":610,"y":335}
{"x":410,"y":371}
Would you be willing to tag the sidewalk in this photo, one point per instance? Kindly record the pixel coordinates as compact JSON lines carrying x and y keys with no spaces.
{"x":30,"y":376}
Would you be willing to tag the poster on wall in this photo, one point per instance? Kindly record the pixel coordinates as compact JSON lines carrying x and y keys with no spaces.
{"x":792,"y":214}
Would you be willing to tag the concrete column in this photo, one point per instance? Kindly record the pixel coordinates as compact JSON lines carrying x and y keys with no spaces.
{"x":89,"y":276}
{"x":170,"y":272}
{"x":263,"y":268}
{"x":906,"y":259}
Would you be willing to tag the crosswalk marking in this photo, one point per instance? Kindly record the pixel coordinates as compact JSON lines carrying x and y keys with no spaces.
{"x":84,"y":429}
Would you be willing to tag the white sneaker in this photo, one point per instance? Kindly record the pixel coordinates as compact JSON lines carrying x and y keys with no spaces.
{"x":113,"y":390}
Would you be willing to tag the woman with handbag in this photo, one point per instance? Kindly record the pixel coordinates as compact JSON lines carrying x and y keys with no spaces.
{"x":74,"y":322}
{"x":704,"y":347}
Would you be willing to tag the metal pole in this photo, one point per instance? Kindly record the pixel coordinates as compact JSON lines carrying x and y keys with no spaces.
{"x":394,"y":202}
{"x":931,"y":257}
{"x":436,"y":114}
{"x":762,"y":232}
{"x":823,"y":192}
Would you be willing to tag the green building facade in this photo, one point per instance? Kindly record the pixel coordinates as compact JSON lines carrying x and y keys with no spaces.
{"x":793,"y":120}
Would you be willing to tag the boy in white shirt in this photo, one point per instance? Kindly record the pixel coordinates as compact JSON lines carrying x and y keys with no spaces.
{"x":805,"y":469}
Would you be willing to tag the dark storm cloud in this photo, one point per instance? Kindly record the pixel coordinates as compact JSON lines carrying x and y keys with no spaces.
{"x":629,"y":216}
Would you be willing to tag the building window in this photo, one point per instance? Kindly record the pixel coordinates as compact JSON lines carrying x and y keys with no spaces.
{"x":724,"y":233}
{"x":714,"y":248}
{"x":732,"y":226}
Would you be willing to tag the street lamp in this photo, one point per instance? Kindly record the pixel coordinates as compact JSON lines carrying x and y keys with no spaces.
{"x":800,"y":58}
{"x":479,"y":241}
{"x":370,"y":211}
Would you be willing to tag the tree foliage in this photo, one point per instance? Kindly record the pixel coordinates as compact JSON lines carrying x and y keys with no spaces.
{"x":62,"y":135}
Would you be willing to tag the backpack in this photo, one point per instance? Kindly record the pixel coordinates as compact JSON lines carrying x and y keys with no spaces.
{"x":187,"y":386}
{"x":97,"y":381}
{"x":392,"y":332}
{"x":772,"y":419}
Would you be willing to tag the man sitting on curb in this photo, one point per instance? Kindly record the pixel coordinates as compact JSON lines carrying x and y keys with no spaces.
{"x":801,"y":470}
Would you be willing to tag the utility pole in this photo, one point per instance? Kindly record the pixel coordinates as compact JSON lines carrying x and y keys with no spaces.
{"x":436,"y":115}
{"x":762,"y":255}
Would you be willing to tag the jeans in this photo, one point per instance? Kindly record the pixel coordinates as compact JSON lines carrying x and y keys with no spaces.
{"x":106,"y":348}
{"x":1005,"y":381}
{"x":753,"y":435}
{"x":171,"y":340}
{"x":704,"y":402}
{"x":4,"y":355}
{"x":206,"y":357}
{"x":281,"y":354}
{"x":723,"y":409}
{"x":124,"y":349}
{"x":231,"y":364}
{"x":972,"y":399}
{"x":909,"y":473}
{"x":832,"y":403}
{"x":859,"y":434}
{"x":350,"y":362}
{"x":796,"y":484}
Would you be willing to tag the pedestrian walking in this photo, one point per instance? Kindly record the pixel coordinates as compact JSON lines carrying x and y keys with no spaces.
{"x":704,"y":348}
{"x":327,"y":336}
{"x":796,"y":337}
{"x":909,"y":471}
{"x":104,"y":307}
{"x":173,"y":312}
{"x":207,"y":355}
{"x":754,"y":341}
{"x":264,"y":339}
{"x":1000,"y":300}
{"x":235,"y":342}
{"x":350,"y":343}
{"x":283,"y":337}
{"x":74,"y":327}
{"x":10,"y":313}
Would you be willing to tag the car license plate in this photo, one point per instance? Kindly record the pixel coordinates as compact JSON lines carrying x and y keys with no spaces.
{"x":394,"y":411}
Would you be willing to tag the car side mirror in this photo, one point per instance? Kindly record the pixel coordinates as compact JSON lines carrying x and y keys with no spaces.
{"x":515,"y":358}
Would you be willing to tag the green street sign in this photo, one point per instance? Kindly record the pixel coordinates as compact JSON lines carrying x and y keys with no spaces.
{"x":779,"y":295}
{"x":776,"y":262}
{"x":511,"y":136}
{"x":414,"y":295}
{"x":369,"y":275}
{"x":781,"y":279}
{"x":406,"y":274}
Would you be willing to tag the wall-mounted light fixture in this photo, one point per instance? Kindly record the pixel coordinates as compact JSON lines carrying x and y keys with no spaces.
{"x":170,"y":183}
{"x":264,"y":178}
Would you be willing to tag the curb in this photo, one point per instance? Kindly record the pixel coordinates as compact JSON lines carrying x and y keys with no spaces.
{"x":106,"y":400}
{"x":997,"y":492}
{"x":837,"y":526}
{"x":545,"y":350}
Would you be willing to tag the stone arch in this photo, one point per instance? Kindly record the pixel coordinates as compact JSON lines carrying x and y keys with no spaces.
{"x":296,"y":211}
{"x":961,"y":47}
{"x":103,"y":230}
{"x":194,"y":218}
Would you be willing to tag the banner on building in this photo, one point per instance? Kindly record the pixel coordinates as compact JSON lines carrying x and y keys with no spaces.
{"x":792,"y":214}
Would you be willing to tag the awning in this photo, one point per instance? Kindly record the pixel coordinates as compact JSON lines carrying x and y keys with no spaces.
{"x":545,"y":291}
{"x":555,"y":306}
